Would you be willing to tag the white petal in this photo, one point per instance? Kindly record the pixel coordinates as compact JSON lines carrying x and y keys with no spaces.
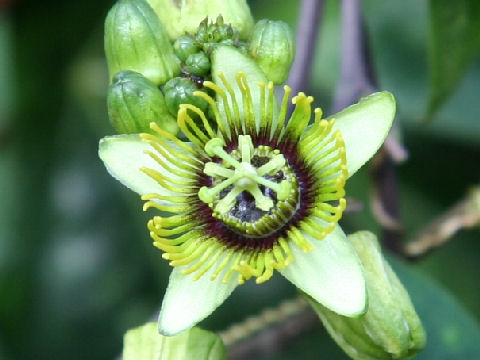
{"x":364,"y":127}
{"x":331,"y":274}
{"x":187,"y":302}
{"x":124,"y":156}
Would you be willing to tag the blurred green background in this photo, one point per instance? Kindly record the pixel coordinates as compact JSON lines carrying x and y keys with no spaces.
{"x":77,"y":268}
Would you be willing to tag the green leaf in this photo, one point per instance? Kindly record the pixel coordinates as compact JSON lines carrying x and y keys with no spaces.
{"x":452,"y":333}
{"x":145,"y":343}
{"x":331,"y":274}
{"x":364,"y":127}
{"x":454,"y":44}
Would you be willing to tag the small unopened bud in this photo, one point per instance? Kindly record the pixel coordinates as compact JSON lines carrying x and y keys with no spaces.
{"x":180,"y":17}
{"x":134,"y":102}
{"x":185,"y":46}
{"x":180,"y":91}
{"x":136,"y":40}
{"x":273,"y":48}
{"x":198,"y":64}
{"x":390,"y":329}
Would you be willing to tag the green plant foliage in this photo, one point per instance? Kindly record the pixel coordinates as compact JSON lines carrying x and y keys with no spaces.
{"x":454,"y":44}
{"x":452,"y":333}
{"x":145,"y":343}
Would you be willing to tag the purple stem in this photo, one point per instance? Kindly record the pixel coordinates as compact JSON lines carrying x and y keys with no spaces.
{"x":309,"y":19}
{"x":357,"y":79}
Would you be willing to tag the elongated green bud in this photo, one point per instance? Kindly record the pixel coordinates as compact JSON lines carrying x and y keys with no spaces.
{"x":136,"y":40}
{"x":180,"y":91}
{"x":134,"y":102}
{"x":180,"y":17}
{"x":391,"y":328}
{"x":272,"y":46}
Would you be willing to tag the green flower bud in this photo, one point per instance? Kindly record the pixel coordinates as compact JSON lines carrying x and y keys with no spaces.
{"x":180,"y":91}
{"x":272,"y":46}
{"x":180,"y":17}
{"x":213,"y":33}
{"x":185,"y":46}
{"x":198,"y":64}
{"x":227,"y":32}
{"x":134,"y":102}
{"x":136,"y":40}
{"x":391,"y":328}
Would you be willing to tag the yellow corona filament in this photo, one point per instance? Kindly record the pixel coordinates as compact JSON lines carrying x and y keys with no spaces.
{"x":236,"y":112}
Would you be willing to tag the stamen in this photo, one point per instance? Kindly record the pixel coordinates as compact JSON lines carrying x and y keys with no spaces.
{"x":214,"y":147}
{"x":214,"y":169}
{"x":245,"y":177}
{"x":208,"y":195}
{"x":246,"y":147}
{"x":273,"y":165}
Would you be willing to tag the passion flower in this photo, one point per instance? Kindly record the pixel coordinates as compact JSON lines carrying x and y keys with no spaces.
{"x":251,"y":193}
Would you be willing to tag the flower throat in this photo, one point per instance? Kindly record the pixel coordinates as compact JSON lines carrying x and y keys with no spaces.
{"x":253,"y":190}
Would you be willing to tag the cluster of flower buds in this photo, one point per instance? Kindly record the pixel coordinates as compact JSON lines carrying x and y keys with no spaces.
{"x":158,"y":55}
{"x":194,"y":52}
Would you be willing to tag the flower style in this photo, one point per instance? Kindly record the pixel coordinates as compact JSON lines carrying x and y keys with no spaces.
{"x":251,"y":193}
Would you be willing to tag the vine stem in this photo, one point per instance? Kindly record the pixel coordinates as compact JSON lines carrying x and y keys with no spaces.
{"x":464,"y":214}
{"x":357,"y":79}
{"x":356,"y":75}
{"x":269,"y":331}
{"x":308,"y":23}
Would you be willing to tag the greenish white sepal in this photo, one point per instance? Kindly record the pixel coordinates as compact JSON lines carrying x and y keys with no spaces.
{"x":189,"y":301}
{"x":124,"y":156}
{"x":364,"y":127}
{"x":227,"y":62}
{"x":331,"y":273}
